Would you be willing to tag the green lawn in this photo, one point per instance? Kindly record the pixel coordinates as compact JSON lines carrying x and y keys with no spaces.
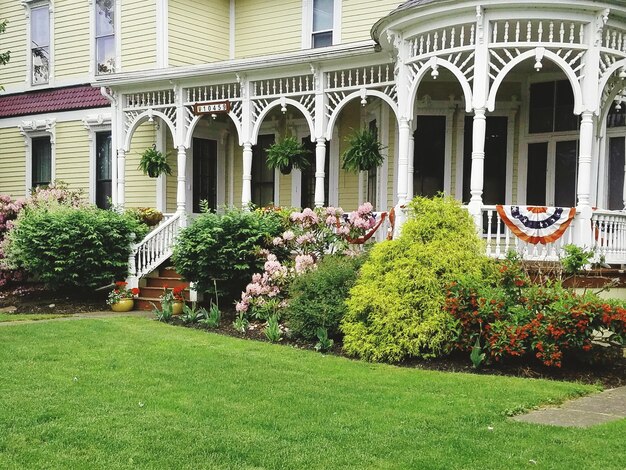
{"x":130,"y":392}
{"x":9,"y":317}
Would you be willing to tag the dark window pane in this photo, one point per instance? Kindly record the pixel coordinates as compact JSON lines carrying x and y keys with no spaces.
{"x":616,"y":117}
{"x":262,"y":176}
{"x":307,"y":181}
{"x":541,"y":112}
{"x":565,"y":174}
{"x":41,"y":161}
{"x":564,"y":117}
{"x":103,"y":169}
{"x":536,"y":175}
{"x":323,"y":39}
{"x":616,"y":173}
{"x":429,"y":155}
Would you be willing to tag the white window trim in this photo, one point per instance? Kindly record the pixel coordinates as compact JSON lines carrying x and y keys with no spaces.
{"x":92,"y":39}
{"x":33,"y":129}
{"x":28,"y":6}
{"x":307,"y":23}
{"x":96,"y":123}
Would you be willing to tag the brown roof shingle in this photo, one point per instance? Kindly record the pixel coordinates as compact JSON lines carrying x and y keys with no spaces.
{"x":52,"y":100}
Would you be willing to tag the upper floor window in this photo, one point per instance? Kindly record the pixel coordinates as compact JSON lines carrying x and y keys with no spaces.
{"x":40,"y":44}
{"x":105,"y":36}
{"x":552,"y":107}
{"x":323,"y":23}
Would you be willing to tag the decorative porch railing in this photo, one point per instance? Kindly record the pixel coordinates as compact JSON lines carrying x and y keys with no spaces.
{"x":609,"y":235}
{"x":500,"y":240}
{"x":155,"y":248}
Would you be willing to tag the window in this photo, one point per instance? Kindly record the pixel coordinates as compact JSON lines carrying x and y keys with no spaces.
{"x":552,"y":108}
{"x":262,"y":175}
{"x":103,"y":170}
{"x":105,"y":36}
{"x":40,"y":44}
{"x":323,"y":23}
{"x":41,"y":149}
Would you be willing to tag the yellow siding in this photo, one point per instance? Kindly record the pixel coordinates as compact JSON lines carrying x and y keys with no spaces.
{"x":140,"y":189}
{"x":267,"y":27}
{"x":138,"y":34}
{"x":14,"y":40}
{"x":71,"y":38}
{"x":284,"y":182}
{"x":358,"y":17}
{"x":12,"y":162}
{"x":199,"y":31}
{"x":72,"y":155}
{"x":349,"y":120}
{"x":171,"y":182}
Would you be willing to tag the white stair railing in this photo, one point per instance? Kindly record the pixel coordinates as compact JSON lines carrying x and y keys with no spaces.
{"x":154,"y":249}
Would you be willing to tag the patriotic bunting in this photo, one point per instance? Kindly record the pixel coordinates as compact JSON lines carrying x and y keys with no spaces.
{"x":534,"y":224}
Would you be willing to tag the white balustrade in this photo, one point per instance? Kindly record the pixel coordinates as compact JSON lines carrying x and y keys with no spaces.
{"x":609,"y":235}
{"x":155,"y":248}
{"x":149,"y":99}
{"x":221,"y":92}
{"x":529,"y":33}
{"x":444,"y":39}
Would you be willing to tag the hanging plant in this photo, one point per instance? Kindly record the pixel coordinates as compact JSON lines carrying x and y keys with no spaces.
{"x":153,"y":163}
{"x":287,"y":154}
{"x":363,"y":153}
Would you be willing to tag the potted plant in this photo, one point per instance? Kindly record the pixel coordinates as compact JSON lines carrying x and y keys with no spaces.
{"x":287,"y":154}
{"x":150,"y":216}
{"x":173,"y":298}
{"x":121,"y":299}
{"x":363,"y":152}
{"x":153,"y":163}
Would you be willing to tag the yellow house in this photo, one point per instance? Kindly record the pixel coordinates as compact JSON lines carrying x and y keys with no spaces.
{"x":491,"y":102}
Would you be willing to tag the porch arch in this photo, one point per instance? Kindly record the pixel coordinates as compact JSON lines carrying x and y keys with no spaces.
{"x":604,"y":82}
{"x":358,"y":94}
{"x":192,"y":127}
{"x":560,"y":62}
{"x":282,"y":102}
{"x":147,"y":115}
{"x":436,"y":61}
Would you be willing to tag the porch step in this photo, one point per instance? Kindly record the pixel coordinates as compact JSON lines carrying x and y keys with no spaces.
{"x":151,"y":293}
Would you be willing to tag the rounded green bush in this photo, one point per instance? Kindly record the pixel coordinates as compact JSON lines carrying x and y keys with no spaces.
{"x":68,"y":246}
{"x":317,"y":297}
{"x":396,"y":308}
{"x":224,"y":248}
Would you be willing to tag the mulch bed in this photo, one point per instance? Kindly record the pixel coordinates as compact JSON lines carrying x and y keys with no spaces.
{"x":35,"y":299}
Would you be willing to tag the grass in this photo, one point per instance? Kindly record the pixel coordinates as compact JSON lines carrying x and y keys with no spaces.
{"x":10,"y":317}
{"x":133,"y":393}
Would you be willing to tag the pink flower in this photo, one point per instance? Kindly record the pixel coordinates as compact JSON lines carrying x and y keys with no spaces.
{"x":241,"y":307}
{"x":304,"y":263}
{"x":288,"y":235}
{"x":365,"y":208}
{"x":277,"y":241}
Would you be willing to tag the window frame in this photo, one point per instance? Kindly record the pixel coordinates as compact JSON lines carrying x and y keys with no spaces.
{"x":93,"y":63}
{"x":31,"y":5}
{"x":32,"y":130}
{"x":307,"y":23}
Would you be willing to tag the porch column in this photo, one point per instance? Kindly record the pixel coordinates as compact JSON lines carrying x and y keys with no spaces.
{"x":409,"y":184}
{"x":246,"y":190}
{"x":121,"y":177}
{"x":478,"y":166}
{"x":583,"y":209}
{"x":181,"y":197}
{"x":320,"y":171}
{"x":404,"y":134}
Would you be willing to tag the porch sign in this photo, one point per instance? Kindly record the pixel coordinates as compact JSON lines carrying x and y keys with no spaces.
{"x":534,"y":224}
{"x":211,"y":107}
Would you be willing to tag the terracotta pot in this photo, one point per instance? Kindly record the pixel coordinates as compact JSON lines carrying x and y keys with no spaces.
{"x":124,"y":305}
{"x":177,"y":307}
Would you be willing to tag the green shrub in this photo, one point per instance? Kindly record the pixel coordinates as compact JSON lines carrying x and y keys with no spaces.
{"x":317,"y":297}
{"x":225,"y":248}
{"x":396,"y":308}
{"x":67,"y":246}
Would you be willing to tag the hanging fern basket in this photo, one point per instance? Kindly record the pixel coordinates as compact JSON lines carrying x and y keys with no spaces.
{"x":287,"y":154}
{"x":153,"y":163}
{"x":363,"y":153}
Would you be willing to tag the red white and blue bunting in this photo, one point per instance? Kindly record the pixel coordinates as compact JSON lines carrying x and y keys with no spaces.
{"x":534,"y":224}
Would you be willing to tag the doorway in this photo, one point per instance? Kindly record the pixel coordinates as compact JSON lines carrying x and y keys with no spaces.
{"x":204,"y":173}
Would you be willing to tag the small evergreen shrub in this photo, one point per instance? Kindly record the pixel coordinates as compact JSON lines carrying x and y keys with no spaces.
{"x":225,"y":247}
{"x":72,"y":247}
{"x":317,"y":297}
{"x":396,"y":308}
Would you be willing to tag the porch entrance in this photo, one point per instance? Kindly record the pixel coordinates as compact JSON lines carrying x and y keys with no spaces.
{"x":204,"y":173}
